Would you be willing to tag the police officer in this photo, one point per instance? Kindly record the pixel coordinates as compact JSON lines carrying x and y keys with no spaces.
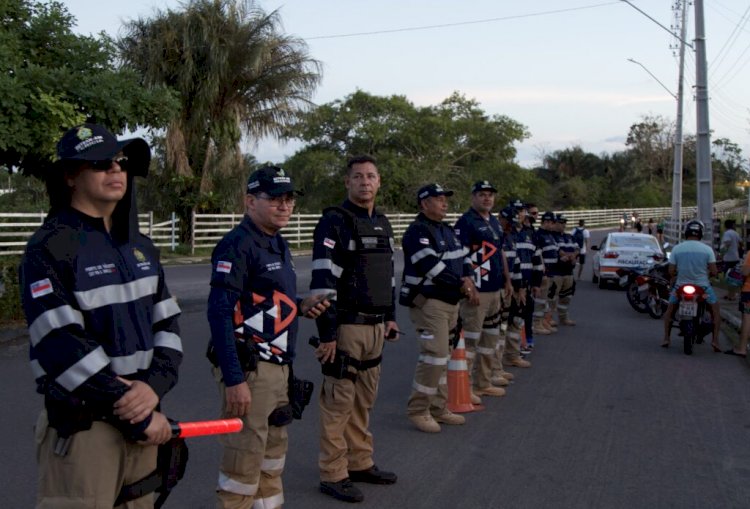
{"x":545,"y":239}
{"x":437,"y":274}
{"x":568,"y":255}
{"x":481,"y":233}
{"x":252,"y":312}
{"x":105,"y":344}
{"x":353,"y":259}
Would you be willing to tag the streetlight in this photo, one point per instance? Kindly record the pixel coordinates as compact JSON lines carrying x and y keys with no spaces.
{"x":745,"y":184}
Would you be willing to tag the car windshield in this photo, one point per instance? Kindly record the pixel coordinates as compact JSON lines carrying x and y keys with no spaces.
{"x":647,"y":243}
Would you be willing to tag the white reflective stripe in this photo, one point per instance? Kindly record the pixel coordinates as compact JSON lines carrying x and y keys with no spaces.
{"x":117,"y":294}
{"x":352,"y":245}
{"x":514,"y":335}
{"x":485,"y":351}
{"x":539,"y":314}
{"x":424,"y":389}
{"x":84,"y":369}
{"x":437,"y":269}
{"x":472,"y":335}
{"x":326,"y":264}
{"x":540,"y":301}
{"x":470,"y":354}
{"x":458,"y":365}
{"x":493,"y":331}
{"x":36,"y":369}
{"x":269,"y":464}
{"x":393,"y":282}
{"x":526,"y":266}
{"x":501,"y":343}
{"x":54,"y":319}
{"x":426,"y":337}
{"x":412,"y":280}
{"x":129,"y":364}
{"x":166,"y":339}
{"x":503,"y":327}
{"x":422,"y":253}
{"x":525,"y":245}
{"x":456,"y":253}
{"x":443,"y":380}
{"x":560,"y":307}
{"x":539,"y":266}
{"x":272,"y":502}
{"x":165,"y":309}
{"x":228,"y":484}
{"x":435,"y":361}
{"x":510,"y":253}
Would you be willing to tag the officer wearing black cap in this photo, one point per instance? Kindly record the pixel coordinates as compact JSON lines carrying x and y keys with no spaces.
{"x":481,"y":233}
{"x":437,"y":275}
{"x":546,"y":240}
{"x":353,"y":259}
{"x":252,"y":313}
{"x":568,"y":255}
{"x":105,"y":344}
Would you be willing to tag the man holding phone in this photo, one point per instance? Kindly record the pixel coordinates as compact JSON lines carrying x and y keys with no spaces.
{"x":353,"y":260}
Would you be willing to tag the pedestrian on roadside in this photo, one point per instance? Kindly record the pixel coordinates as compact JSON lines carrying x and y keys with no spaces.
{"x":437,"y":275}
{"x":741,"y":349}
{"x":353,"y":259}
{"x":730,"y":255}
{"x":105,"y":344}
{"x":252,"y":312}
{"x":651,"y":226}
{"x":582,"y":237}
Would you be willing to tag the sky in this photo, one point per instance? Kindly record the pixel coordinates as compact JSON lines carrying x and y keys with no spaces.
{"x":559,"y":67}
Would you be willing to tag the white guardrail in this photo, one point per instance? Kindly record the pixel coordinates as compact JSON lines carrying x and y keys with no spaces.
{"x":208,"y":229}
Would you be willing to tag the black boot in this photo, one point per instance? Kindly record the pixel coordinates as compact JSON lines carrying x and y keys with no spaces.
{"x":373,"y":475}
{"x":342,"y":490}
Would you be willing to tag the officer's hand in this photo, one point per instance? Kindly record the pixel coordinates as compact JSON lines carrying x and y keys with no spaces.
{"x":314,"y":305}
{"x":470,"y":291}
{"x":535,"y":291}
{"x":238,"y":399}
{"x":136,"y":404}
{"x":508,"y":290}
{"x":391,"y":331}
{"x":158,"y":431}
{"x":326,"y":352}
{"x":521,"y":296}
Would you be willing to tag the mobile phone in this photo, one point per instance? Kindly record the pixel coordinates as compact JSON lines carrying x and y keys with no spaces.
{"x":330,"y":296}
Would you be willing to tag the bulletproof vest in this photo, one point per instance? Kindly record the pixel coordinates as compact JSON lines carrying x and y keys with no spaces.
{"x":366,"y":280}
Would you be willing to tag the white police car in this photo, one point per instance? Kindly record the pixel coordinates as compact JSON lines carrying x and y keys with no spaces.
{"x":624,"y":250}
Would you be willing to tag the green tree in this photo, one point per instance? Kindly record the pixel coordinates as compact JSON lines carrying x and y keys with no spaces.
{"x":236,"y":74}
{"x":52,"y":79}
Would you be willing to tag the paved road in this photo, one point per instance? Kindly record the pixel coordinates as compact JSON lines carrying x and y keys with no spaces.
{"x":604,"y":419}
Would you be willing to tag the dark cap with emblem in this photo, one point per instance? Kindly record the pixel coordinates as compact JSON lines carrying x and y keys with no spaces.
{"x":92,"y":142}
{"x":548,"y":216}
{"x":272,"y":180}
{"x":432,"y":190}
{"x":482,"y":185}
{"x":509,"y":214}
{"x":561,"y":218}
{"x":517,"y":204}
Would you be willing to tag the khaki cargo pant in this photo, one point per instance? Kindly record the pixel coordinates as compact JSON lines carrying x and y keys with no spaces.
{"x":98,"y":464}
{"x":516,"y":323}
{"x":540,"y":303}
{"x":481,"y":339}
{"x":433,"y":322}
{"x":253,"y":459}
{"x":345,"y":439}
{"x":566,"y":294}
{"x":553,"y":294}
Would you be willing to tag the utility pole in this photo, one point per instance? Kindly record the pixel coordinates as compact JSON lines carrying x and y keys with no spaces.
{"x":681,"y":21}
{"x":703,"y":138}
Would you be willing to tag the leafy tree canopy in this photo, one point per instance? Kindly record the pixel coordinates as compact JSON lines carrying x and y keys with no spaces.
{"x":52,"y":79}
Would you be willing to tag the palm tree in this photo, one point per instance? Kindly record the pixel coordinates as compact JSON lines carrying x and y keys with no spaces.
{"x":235,"y":74}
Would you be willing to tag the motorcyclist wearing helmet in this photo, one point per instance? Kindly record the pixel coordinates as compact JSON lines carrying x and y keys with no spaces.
{"x":693,"y":262}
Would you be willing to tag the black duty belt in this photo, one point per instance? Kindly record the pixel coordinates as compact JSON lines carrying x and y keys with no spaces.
{"x":355,"y":318}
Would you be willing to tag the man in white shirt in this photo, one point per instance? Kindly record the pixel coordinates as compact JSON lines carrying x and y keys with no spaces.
{"x":730,"y":254}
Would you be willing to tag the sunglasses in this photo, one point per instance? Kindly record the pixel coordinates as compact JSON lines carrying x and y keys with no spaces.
{"x":106,"y":164}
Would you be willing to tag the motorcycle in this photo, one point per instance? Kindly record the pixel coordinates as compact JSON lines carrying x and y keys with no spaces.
{"x":645,"y":288}
{"x":658,"y":296}
{"x":693,"y":316}
{"x":637,"y":293}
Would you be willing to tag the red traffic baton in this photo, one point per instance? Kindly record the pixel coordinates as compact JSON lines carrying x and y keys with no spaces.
{"x":203,"y":428}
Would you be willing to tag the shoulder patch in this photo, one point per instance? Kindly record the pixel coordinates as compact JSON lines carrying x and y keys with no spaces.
{"x":222,"y":266}
{"x":329,"y":243}
{"x":424,"y":241}
{"x":40,"y":288}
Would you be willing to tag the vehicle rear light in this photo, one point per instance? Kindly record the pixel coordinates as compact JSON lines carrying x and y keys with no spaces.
{"x":688,"y":290}
{"x":641,"y":280}
{"x":658,"y":257}
{"x":611,"y":254}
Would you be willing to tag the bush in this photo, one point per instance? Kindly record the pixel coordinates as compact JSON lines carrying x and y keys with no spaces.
{"x":10,"y":297}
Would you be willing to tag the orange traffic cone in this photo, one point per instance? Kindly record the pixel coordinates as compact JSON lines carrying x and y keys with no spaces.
{"x":524,"y":344}
{"x":459,"y":386}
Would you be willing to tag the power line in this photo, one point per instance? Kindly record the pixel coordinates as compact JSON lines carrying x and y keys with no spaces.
{"x":461,"y":23}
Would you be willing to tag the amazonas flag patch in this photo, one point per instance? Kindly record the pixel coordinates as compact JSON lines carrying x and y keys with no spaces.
{"x":329,"y":243}
{"x":40,"y":288}
{"x":223,"y":266}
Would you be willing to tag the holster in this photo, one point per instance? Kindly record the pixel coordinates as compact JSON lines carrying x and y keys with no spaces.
{"x":246,"y":354}
{"x":300,"y":392}
{"x":67,"y":414}
{"x":171,"y":463}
